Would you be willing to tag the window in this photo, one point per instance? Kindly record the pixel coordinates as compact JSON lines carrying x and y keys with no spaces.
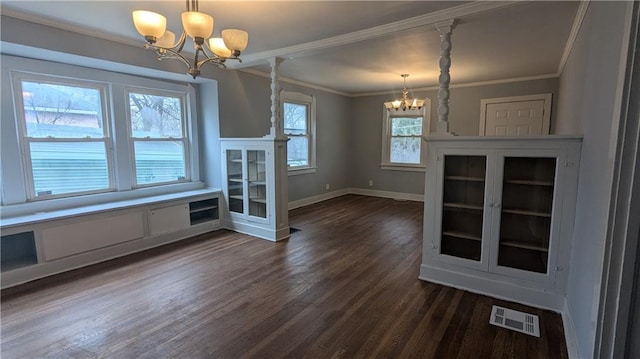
{"x":79,"y":136}
{"x":64,"y":135}
{"x":402,"y":145}
{"x":298,"y":112}
{"x":157,"y":128}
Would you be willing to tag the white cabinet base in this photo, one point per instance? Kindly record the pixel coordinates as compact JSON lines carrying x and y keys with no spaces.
{"x":495,"y":288}
{"x":257,"y":230}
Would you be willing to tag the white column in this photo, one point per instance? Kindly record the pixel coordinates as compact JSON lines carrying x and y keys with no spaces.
{"x":445,"y":28}
{"x":277,"y":128}
{"x":280,"y":217}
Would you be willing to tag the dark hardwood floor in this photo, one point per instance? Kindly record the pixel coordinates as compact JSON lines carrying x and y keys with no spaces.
{"x":344,"y":286}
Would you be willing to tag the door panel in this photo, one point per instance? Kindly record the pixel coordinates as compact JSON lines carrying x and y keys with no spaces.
{"x":523,"y":118}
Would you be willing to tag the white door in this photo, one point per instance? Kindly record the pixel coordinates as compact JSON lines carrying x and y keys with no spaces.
{"x":517,"y":116}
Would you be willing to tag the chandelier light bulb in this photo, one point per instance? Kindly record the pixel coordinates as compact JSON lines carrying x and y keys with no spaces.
{"x":149,"y":24}
{"x":197,"y":24}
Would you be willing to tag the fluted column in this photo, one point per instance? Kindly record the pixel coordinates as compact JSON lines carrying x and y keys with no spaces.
{"x":445,"y":28}
{"x":277,"y":128}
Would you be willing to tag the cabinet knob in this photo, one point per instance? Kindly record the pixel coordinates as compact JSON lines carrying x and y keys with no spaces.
{"x":497,"y":205}
{"x":490,"y":205}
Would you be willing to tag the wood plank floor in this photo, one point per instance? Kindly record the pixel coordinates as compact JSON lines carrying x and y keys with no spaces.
{"x":344,"y":286}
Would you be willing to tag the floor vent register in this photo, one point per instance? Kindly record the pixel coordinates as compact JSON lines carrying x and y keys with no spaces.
{"x":515,"y":320}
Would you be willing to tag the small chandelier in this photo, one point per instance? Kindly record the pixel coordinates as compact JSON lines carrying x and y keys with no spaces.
{"x":198,"y":26}
{"x":405,"y":103}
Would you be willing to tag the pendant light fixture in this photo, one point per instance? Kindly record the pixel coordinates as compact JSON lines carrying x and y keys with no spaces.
{"x":199,"y":27}
{"x":405,"y":103}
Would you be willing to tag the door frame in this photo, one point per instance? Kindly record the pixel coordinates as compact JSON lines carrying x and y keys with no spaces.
{"x":546,"y":115}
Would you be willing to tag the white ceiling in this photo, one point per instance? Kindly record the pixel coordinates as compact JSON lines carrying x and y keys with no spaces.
{"x":353,"y":47}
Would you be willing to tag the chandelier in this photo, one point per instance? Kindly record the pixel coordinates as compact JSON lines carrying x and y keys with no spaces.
{"x":199,"y":27}
{"x":404,"y":103}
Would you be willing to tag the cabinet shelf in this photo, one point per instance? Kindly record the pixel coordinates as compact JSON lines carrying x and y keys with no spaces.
{"x":461,"y":235}
{"x":462,"y":206}
{"x":258,"y":200}
{"x":257,"y":183}
{"x":238,"y":197}
{"x":235,"y":180}
{"x":530,"y":182}
{"x":524,"y":212}
{"x":524,"y":245}
{"x":236,"y":160}
{"x":465,"y":178}
{"x":203,"y":209}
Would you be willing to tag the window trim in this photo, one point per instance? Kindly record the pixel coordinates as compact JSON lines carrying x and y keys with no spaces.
{"x":387,"y":115}
{"x":24,"y":141}
{"x":309,"y":101}
{"x":186,"y":134}
{"x":14,"y":200}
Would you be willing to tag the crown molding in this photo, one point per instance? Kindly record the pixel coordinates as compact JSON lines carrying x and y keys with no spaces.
{"x":70,"y":27}
{"x":573,"y":35}
{"x":462,"y":85}
{"x":295,"y":82}
{"x":433,"y":18}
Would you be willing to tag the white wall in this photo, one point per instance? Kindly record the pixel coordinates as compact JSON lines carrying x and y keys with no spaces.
{"x":587,"y":90}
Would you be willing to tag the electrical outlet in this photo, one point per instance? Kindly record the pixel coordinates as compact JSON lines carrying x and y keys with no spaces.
{"x":370,"y":182}
{"x":327,"y":186}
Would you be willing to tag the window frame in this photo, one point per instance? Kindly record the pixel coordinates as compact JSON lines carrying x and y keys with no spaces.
{"x":25,"y":140}
{"x":309,"y":101}
{"x":185,"y":139}
{"x":14,"y":201}
{"x":387,"y":117}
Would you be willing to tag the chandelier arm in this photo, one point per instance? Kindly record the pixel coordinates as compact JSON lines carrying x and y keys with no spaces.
{"x":218,"y":61}
{"x":176,"y":54}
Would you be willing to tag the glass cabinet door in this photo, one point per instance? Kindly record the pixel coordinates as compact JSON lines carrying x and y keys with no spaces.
{"x":463,"y":206}
{"x":525,"y":218}
{"x":235,"y":181}
{"x":257,"y":176}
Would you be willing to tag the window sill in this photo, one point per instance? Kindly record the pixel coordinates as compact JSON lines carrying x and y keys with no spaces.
{"x":98,"y":201}
{"x":302,"y":171}
{"x":403,"y":168}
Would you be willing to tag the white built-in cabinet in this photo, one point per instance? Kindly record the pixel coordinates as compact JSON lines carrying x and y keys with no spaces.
{"x":250,"y":178}
{"x":38,"y":245}
{"x":499,"y":215}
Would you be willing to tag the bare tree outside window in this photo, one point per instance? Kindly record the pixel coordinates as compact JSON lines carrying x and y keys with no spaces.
{"x":406,"y":134}
{"x":65,"y":138}
{"x":296,"y":127}
{"x":159,"y":142}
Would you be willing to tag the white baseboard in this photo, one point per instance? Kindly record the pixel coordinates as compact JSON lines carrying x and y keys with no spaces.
{"x":361,"y":191}
{"x":388,"y":194}
{"x":318,"y":198}
{"x":570,"y":337}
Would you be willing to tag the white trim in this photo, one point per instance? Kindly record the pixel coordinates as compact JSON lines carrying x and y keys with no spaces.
{"x":294,"y":82}
{"x":407,"y":168}
{"x":309,"y":101}
{"x":318,"y":198}
{"x":494,"y":288}
{"x":462,"y":85}
{"x":573,"y":35}
{"x":388,"y":194}
{"x":546,"y":116}
{"x":387,"y":116}
{"x":570,"y":337}
{"x":359,"y":191}
{"x":295,"y":171}
{"x":460,"y":11}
